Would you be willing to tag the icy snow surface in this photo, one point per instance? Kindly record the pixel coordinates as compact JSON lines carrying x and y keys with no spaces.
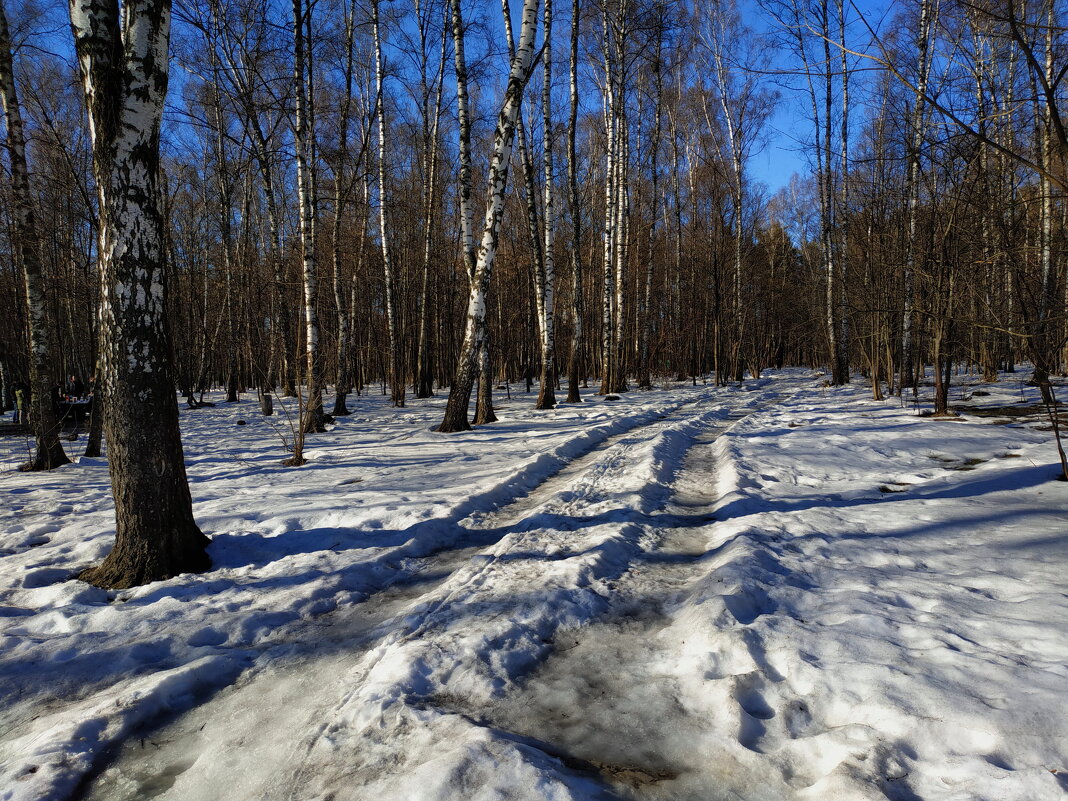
{"x":771,"y":591}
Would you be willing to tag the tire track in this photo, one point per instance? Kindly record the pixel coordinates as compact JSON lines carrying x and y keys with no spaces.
{"x":278,"y":696}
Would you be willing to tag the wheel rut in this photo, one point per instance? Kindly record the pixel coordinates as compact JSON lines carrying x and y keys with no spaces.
{"x":582,"y":704}
{"x":296,"y":685}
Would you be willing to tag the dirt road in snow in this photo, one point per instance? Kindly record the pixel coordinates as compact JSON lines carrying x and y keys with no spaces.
{"x":522,"y":642}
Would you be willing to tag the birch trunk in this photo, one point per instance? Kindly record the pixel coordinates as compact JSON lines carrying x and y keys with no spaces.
{"x":645,"y":323}
{"x":467,"y":213}
{"x":456,"y":410}
{"x":396,"y":352}
{"x":576,"y":217}
{"x":827,"y":201}
{"x":917,"y":120}
{"x":546,"y":394}
{"x":621,"y":251}
{"x":312,"y":419}
{"x":539,"y":231}
{"x":341,"y":197}
{"x":123,"y":68}
{"x":1042,"y":346}
{"x":46,"y":427}
{"x":610,"y":189}
{"x":840,"y":372}
{"x":535,"y":228}
{"x":475,"y":329}
{"x":737,"y":161}
{"x":424,"y":369}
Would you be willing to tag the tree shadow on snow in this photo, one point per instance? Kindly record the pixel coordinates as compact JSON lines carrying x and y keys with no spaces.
{"x":1004,"y":481}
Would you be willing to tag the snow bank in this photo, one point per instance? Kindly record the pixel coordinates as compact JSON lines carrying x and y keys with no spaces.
{"x":885,"y":616}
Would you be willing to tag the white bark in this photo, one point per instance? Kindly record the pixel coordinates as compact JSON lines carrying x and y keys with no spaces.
{"x":303,"y":135}
{"x":475,"y":328}
{"x":24,"y":237}
{"x":123,"y":67}
{"x":576,"y":219}
{"x":546,"y":397}
{"x":917,"y":129}
{"x":610,"y":207}
{"x":467,"y":213}
{"x":396,"y":368}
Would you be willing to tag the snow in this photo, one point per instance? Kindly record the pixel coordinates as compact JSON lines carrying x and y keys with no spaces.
{"x":767,"y":591}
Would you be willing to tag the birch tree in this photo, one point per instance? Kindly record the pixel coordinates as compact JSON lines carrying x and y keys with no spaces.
{"x":304,"y":144}
{"x":430,"y":126}
{"x":546,"y":395}
{"x":475,"y":329}
{"x":342,"y":190}
{"x":575,"y":355}
{"x":123,"y":63}
{"x":612,"y":192}
{"x":917,"y":131}
{"x":396,"y":346}
{"x":540,"y":229}
{"x":24,"y":236}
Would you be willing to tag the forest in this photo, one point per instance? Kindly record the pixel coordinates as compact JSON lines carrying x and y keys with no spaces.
{"x":428,"y":197}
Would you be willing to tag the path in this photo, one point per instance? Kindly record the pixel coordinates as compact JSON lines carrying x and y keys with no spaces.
{"x":523,"y":642}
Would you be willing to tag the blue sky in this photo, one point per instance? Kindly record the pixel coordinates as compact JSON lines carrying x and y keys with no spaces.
{"x":790,"y":128}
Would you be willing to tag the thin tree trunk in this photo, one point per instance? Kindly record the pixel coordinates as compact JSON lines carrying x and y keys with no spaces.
{"x":608,"y":263}
{"x":546,"y":395}
{"x":396,"y":346}
{"x":536,"y":230}
{"x":621,"y":252}
{"x":917,"y":120}
{"x":341,"y":196}
{"x":734,"y":139}
{"x":646,"y":296}
{"x":96,"y":416}
{"x":475,"y":330}
{"x":313,"y":417}
{"x":575,"y":356}
{"x":840,"y":370}
{"x":828,"y":217}
{"x":222,"y":174}
{"x":46,"y":427}
{"x":424,"y":368}
{"x":1042,"y":347}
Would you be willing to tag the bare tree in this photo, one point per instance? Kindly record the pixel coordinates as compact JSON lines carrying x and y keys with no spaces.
{"x":24,"y":235}
{"x":304,"y":145}
{"x":475,"y":329}
{"x":396,"y":346}
{"x":546,"y":395}
{"x":430,"y":157}
{"x":123,"y":64}
{"x":574,"y":209}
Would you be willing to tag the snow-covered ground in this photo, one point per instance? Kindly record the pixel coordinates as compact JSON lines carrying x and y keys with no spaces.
{"x":778,"y":590}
